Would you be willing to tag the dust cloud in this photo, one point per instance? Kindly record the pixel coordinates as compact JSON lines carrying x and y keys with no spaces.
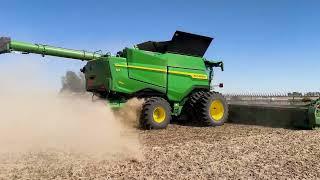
{"x":35,"y":118}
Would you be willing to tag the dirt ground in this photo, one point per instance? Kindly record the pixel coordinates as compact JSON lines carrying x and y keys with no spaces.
{"x":184,"y":152}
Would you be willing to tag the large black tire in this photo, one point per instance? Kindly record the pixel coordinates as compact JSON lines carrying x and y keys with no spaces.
{"x":155,"y":114}
{"x":189,"y":109}
{"x":212,"y":109}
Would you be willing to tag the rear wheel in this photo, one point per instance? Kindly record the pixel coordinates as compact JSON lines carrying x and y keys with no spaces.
{"x":189,"y":109}
{"x":155,"y":114}
{"x":213,"y":109}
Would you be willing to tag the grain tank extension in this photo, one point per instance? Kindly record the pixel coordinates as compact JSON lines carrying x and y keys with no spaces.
{"x":172,"y":76}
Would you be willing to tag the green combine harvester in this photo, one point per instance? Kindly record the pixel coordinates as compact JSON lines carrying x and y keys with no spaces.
{"x":173,"y":78}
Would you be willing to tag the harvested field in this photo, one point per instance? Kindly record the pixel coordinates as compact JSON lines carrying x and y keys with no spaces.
{"x":186,"y":152}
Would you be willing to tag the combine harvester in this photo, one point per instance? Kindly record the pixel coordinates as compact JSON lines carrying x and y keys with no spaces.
{"x":172,"y":76}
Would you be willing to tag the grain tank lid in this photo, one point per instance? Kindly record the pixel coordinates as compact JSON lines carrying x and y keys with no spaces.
{"x":189,"y":44}
{"x":153,"y":46}
{"x":181,"y":43}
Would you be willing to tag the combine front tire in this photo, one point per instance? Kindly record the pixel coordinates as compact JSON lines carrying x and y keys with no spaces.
{"x":155,"y":114}
{"x":213,"y":109}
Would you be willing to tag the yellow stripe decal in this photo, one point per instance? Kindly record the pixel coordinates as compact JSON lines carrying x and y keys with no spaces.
{"x":193,"y":75}
{"x":141,"y":67}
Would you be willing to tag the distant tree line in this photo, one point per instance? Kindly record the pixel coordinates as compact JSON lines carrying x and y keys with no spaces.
{"x":295,"y":94}
{"x":312,"y":94}
{"x":306,"y":94}
{"x":73,"y":82}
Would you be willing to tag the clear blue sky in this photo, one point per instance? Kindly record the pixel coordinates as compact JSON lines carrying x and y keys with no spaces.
{"x":267,"y":45}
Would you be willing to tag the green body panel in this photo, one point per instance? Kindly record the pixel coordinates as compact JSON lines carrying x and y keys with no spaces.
{"x":179,"y":86}
{"x":147,"y":70}
{"x":121,"y":82}
{"x":147,"y":67}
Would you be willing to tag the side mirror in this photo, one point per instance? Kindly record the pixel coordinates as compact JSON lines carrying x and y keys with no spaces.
{"x":83,"y":70}
{"x":222,"y":66}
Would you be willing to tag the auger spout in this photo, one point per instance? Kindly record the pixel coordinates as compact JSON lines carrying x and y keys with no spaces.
{"x":7,"y":45}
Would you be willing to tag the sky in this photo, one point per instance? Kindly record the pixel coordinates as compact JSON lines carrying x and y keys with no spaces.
{"x":266,"y":45}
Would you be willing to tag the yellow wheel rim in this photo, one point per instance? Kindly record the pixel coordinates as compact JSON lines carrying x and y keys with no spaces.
{"x":159,"y":114}
{"x":216,"y":110}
